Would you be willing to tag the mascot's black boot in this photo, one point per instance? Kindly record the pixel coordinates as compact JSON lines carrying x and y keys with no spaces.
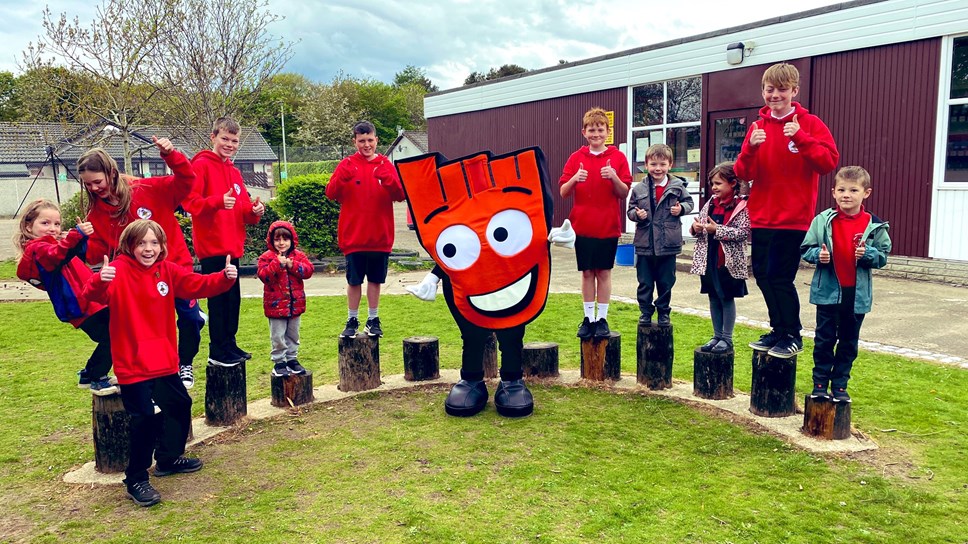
{"x":466,"y":398}
{"x":512,"y":399}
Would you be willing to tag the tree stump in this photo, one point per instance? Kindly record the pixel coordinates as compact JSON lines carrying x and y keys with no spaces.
{"x":359,"y":363}
{"x":297,"y":389}
{"x":421,"y":358}
{"x":110,"y":424}
{"x":601,"y":358}
{"x":490,"y":357}
{"x":225,"y":394}
{"x":712,"y":375}
{"x":540,"y":359}
{"x":655,"y":353}
{"x":772,"y":391}
{"x":826,"y":419}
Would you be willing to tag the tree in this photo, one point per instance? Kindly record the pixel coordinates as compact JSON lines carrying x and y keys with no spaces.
{"x":328,"y":113}
{"x":384,"y":106}
{"x":494,"y":73}
{"x":286,"y":90}
{"x":10,"y":100}
{"x":411,"y":75}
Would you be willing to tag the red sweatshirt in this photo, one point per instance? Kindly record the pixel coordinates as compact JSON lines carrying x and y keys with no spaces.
{"x":151,"y":198}
{"x":597,"y":212}
{"x":848,"y":231}
{"x":144,"y":344}
{"x":217,"y":232}
{"x":283,"y":295}
{"x":366,"y":191}
{"x":784,"y":171}
{"x":53,"y":266}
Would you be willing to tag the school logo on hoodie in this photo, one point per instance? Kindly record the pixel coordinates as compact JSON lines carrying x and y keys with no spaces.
{"x":162,"y":288}
{"x":144,"y":213}
{"x":238,"y":190}
{"x":792,"y":148}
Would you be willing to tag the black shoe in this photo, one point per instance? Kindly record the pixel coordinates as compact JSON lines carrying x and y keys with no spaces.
{"x":466,"y":398}
{"x":786,"y":348}
{"x":645,"y":319}
{"x":142,"y":493}
{"x":819,"y":391}
{"x":351,"y":325}
{"x":766,"y":341}
{"x":373,"y":327}
{"x":840,"y":395}
{"x":705,"y":348}
{"x":227,"y":362}
{"x":239,"y":353}
{"x":178,"y":466}
{"x":664,"y":318}
{"x":601,"y":329}
{"x":512,"y":399}
{"x":83,"y":380}
{"x":281,"y":370}
{"x":295,"y":367}
{"x":187,"y":376}
{"x":721,"y":347}
{"x":585,"y":330}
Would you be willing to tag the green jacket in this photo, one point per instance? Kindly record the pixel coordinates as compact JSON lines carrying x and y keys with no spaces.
{"x":824,"y":288}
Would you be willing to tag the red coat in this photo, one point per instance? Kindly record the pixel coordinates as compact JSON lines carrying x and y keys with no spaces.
{"x":151,"y":198}
{"x":217,"y":232}
{"x":283,"y":294}
{"x":366,"y":191}
{"x":144,"y":341}
{"x":597,"y":212}
{"x":54,"y":266}
{"x":785,"y":171}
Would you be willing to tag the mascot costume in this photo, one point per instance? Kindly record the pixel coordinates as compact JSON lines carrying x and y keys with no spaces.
{"x":484,"y":220}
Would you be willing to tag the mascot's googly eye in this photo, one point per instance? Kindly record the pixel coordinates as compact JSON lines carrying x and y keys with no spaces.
{"x":509,"y":232}
{"x":458,"y":247}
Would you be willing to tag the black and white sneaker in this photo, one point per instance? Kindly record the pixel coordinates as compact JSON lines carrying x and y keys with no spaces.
{"x":840,"y":395}
{"x":187,"y":376}
{"x":281,"y":370}
{"x":352,"y":324}
{"x":103,"y":387}
{"x":295,"y":367}
{"x":819,"y":391}
{"x":228,"y":363}
{"x":373,"y":327}
{"x":83,"y":380}
{"x":767,"y":341}
{"x":143,"y":494}
{"x":181,"y":465}
{"x":786,"y":348}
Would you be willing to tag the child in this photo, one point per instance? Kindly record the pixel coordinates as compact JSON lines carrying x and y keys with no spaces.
{"x":599,"y":177}
{"x":845,"y":244}
{"x":785,"y":153}
{"x":50,"y":262}
{"x":721,"y":231}
{"x":656,"y":206}
{"x":140,"y":287}
{"x":282,"y":269}
{"x":220,"y":209}
{"x":366,"y":185}
{"x":113,"y":201}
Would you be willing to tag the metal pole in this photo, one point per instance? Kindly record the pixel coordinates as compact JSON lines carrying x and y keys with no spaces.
{"x":285,"y":162}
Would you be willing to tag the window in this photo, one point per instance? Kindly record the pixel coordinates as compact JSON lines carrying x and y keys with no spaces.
{"x":245,"y":167}
{"x":956,"y":149}
{"x":157,"y":169}
{"x":668,"y":113}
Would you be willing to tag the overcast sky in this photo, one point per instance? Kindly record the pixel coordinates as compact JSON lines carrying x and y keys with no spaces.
{"x":449,"y":38}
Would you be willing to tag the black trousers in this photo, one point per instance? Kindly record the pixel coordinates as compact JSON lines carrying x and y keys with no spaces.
{"x":189,"y":323}
{"x":96,"y":328}
{"x":510,"y":342}
{"x":837,"y":327}
{"x":223,"y":312}
{"x":776,"y":259}
{"x":169,"y":393}
{"x":656,"y":274}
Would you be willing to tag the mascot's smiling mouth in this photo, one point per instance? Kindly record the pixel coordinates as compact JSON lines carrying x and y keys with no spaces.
{"x":507,"y":300}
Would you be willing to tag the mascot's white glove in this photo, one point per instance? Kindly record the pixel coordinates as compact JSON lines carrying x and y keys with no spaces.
{"x":563,"y":236}
{"x":426,"y":289}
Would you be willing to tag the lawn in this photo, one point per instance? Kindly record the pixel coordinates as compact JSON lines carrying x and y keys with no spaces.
{"x":589,"y":465}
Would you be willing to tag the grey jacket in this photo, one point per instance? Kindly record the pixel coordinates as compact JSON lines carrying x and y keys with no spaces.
{"x":660,"y":233}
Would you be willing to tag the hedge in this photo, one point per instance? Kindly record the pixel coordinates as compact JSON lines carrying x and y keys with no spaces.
{"x":297,"y":169}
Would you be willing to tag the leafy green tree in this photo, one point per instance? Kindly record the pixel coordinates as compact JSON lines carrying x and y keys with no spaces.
{"x":411,"y":75}
{"x":328,"y":113}
{"x":287,"y":91}
{"x":10,"y":101}
{"x":385,"y":107}
{"x":494,"y":73}
{"x":303,"y":200}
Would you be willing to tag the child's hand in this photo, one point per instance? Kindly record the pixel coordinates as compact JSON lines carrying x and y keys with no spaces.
{"x":228,"y":199}
{"x":860,"y":251}
{"x":640,"y":213}
{"x":791,"y":128}
{"x":607,"y":171}
{"x":675,"y":209}
{"x":108,"y":272}
{"x":757,"y":136}
{"x":696,"y":227}
{"x":85,"y":227}
{"x":581,"y":175}
{"x":824,"y":254}
{"x":231,"y":272}
{"x":710,"y":226}
{"x":164,"y":145}
{"x":258,"y":207}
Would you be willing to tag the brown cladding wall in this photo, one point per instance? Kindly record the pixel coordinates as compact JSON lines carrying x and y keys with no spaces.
{"x":554,"y":125}
{"x":881,"y":106}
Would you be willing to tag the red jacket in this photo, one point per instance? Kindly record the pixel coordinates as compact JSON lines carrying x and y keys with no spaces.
{"x":366,"y":191}
{"x":144,"y":343}
{"x":597,"y":212}
{"x":784,"y":171}
{"x":151,"y":198}
{"x":282,"y":293}
{"x":217,"y":232}
{"x":54,"y":266}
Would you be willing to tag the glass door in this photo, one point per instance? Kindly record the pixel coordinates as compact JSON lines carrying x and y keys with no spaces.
{"x":726,"y":131}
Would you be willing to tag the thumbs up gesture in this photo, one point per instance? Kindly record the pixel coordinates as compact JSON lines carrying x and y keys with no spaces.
{"x":757,"y":135}
{"x":675,"y":209}
{"x":258,"y":207}
{"x":231,"y":272}
{"x":228,"y":199}
{"x":791,"y":128}
{"x":164,"y":145}
{"x":85,"y":227}
{"x":581,"y":175}
{"x":607,"y":171}
{"x":563,"y":236}
{"x":108,"y":272}
{"x":824,"y":254}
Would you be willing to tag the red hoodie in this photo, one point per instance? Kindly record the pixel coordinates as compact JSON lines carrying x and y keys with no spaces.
{"x":784,"y":171}
{"x":283,"y":295}
{"x":216,"y":231}
{"x":151,"y":198}
{"x":366,"y":191}
{"x":597,"y":212}
{"x":144,"y":344}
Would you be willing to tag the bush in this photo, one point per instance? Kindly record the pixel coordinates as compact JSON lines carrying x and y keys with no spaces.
{"x":255,"y":235}
{"x":71,"y":210}
{"x":303,"y":198}
{"x":298,"y":169}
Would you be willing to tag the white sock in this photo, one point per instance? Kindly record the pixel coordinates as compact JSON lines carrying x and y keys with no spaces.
{"x":353,"y":313}
{"x":589,"y":310}
{"x":372,"y":312}
{"x":602,"y":311}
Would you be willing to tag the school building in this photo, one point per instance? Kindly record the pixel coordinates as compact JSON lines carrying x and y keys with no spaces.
{"x":889,"y":77}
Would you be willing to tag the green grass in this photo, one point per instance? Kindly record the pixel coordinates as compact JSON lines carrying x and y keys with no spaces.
{"x":8,"y":269}
{"x":588,"y":466}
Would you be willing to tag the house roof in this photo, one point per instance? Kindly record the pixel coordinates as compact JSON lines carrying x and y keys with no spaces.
{"x":418,"y":137}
